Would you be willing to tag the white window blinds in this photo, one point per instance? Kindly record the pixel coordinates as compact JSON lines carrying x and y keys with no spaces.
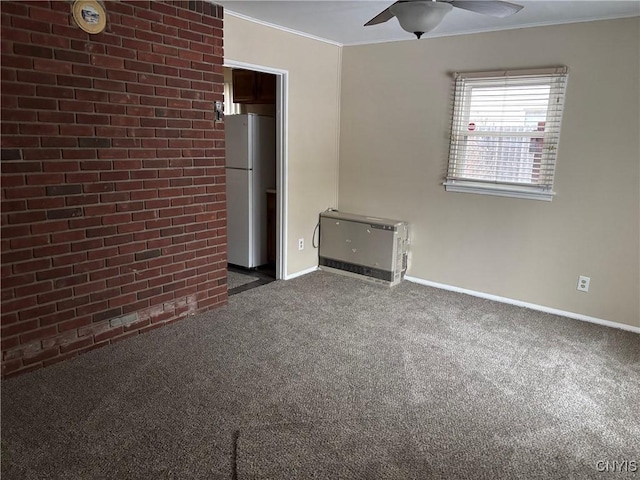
{"x":230,"y":108}
{"x":505,"y":132}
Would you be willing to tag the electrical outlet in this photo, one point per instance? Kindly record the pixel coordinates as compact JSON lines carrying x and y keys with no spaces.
{"x":301,"y":244}
{"x":583,"y":283}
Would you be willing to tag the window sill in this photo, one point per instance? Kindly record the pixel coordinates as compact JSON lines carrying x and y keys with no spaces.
{"x":514,"y":191}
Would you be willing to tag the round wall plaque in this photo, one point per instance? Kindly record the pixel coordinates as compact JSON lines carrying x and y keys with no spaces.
{"x":90,"y":15}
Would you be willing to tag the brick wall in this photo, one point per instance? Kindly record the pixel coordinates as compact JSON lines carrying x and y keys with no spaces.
{"x":113,"y":204}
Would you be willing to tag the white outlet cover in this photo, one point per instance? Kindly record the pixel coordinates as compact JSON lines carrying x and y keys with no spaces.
{"x":583,"y":283}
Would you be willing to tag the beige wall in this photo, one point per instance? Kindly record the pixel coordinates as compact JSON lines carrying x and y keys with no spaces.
{"x":395,"y":100}
{"x":313,"y":121}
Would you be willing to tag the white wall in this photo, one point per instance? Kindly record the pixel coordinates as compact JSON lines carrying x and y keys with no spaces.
{"x":313,"y":121}
{"x":395,"y":111}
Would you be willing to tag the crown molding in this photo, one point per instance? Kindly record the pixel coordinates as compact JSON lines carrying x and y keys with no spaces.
{"x":278,"y":27}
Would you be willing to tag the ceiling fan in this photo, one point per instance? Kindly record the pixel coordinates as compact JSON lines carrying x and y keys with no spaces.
{"x":421,"y":16}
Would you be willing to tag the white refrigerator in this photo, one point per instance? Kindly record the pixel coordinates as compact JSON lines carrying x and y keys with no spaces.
{"x":251,"y":171}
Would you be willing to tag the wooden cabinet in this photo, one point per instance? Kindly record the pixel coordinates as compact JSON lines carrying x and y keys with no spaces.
{"x":253,"y":87}
{"x":243,"y":86}
{"x":266,"y":88}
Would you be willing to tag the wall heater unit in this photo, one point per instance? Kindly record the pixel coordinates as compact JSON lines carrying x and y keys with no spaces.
{"x":374,"y":249}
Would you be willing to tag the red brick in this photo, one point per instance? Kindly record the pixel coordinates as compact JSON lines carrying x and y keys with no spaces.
{"x":114,"y":51}
{"x":49,"y":227}
{"x":72,"y":280}
{"x":10,"y":342}
{"x":118,"y":31}
{"x":87,"y":267}
{"x":51,"y":250}
{"x":71,"y":236}
{"x":76,"y":345}
{"x":89,"y":47}
{"x":110,"y":85}
{"x":73,"y":302}
{"x":96,"y":165}
{"x":89,"y":119}
{"x":134,"y":86}
{"x":33,"y":25}
{"x":107,"y":38}
{"x":19,"y":304}
{"x":49,"y":40}
{"x":84,"y":223}
{"x":31,"y":266}
{"x":114,"y":197}
{"x":45,"y":203}
{"x":56,"y":318}
{"x":37,"y":103}
{"x":11,"y":181}
{"x":73,"y":81}
{"x":45,"y":179}
{"x":108,"y":334}
{"x":59,"y":142}
{"x":51,"y":66}
{"x":41,"y":153}
{"x":51,"y":273}
{"x":76,"y":130}
{"x":75,"y":106}
{"x":40,"y":356}
{"x":82,"y":200}
{"x":17,"y":328}
{"x":56,"y":117}
{"x":49,"y":16}
{"x":89,"y":71}
{"x":58,"y":358}
{"x":107,"y":62}
{"x":92,"y":308}
{"x":74,"y":324}
{"x":110,"y":109}
{"x":72,"y":57}
{"x":116,"y":219}
{"x":140,"y":89}
{"x":38,"y":334}
{"x":12,"y":368}
{"x":13,"y":206}
{"x":15,"y":61}
{"x":93,"y":329}
{"x":55,"y":92}
{"x":14,"y":89}
{"x":102,"y":253}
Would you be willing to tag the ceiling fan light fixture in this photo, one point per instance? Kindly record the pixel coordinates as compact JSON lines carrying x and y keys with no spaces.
{"x":420,"y":17}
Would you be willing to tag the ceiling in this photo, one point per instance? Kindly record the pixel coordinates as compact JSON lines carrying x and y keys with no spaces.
{"x":341,"y":22}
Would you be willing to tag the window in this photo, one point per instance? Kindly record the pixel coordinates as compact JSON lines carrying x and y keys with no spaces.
{"x":505,"y":132}
{"x":230,"y":108}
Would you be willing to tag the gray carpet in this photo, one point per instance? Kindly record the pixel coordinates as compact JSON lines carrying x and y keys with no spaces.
{"x":351,"y":448}
{"x":236,"y":279}
{"x":330,"y":377}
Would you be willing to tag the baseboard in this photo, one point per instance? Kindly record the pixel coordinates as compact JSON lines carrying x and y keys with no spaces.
{"x":300,"y":273}
{"x":532,"y":306}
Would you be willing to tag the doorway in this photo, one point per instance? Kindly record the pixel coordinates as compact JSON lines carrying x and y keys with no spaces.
{"x":278,"y":109}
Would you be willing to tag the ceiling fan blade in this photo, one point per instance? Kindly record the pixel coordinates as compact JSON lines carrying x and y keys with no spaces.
{"x":493,"y":8}
{"x":382,"y":17}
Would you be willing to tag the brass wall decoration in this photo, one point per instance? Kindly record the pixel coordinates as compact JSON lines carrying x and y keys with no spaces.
{"x":90,"y":16}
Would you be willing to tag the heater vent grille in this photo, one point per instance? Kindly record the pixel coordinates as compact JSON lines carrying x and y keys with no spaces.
{"x":358,"y":269}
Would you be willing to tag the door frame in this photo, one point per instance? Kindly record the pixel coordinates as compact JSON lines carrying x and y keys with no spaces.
{"x":282,"y":97}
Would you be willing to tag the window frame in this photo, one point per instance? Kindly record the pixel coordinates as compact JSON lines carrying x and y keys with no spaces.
{"x":464,"y":83}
